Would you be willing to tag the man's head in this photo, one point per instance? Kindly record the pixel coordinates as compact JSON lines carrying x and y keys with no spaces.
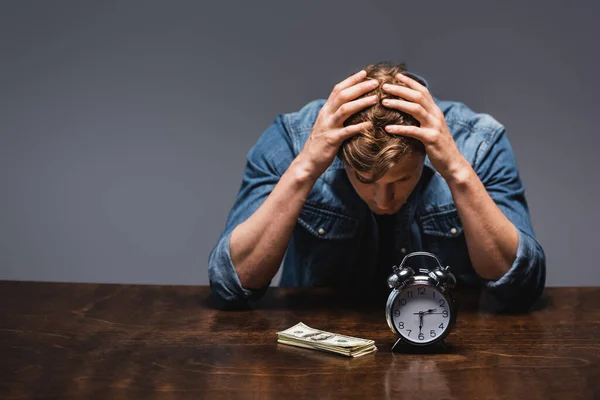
{"x":383,"y":168}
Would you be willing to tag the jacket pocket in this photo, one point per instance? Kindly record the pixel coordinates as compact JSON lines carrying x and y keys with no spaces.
{"x":443,"y":235}
{"x":327,"y":223}
{"x":443,"y":223}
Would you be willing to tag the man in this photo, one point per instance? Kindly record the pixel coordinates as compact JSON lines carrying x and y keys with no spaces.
{"x":345,"y":188}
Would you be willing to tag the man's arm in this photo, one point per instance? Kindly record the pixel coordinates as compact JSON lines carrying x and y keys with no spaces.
{"x":268,"y":174}
{"x":258,"y":244}
{"x":490,"y":199}
{"x":275,"y":187}
{"x":492,"y":239}
{"x":491,"y":204}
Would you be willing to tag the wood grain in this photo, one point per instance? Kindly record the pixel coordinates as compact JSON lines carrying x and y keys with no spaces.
{"x":66,"y":340}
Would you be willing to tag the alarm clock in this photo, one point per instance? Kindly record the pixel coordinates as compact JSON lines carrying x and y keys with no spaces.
{"x":420,"y":308}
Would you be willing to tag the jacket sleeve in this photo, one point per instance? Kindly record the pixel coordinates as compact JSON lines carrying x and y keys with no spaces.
{"x":266,"y":161}
{"x":523,"y":284}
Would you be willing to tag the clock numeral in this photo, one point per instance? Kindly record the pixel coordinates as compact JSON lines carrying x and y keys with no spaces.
{"x":441,"y":326}
{"x":421,"y":290}
{"x":421,"y":336}
{"x":397,"y":313}
{"x":409,"y":331}
{"x":445,"y":313}
{"x":402,"y":302}
{"x":409,"y":294}
{"x":432,"y":333}
{"x":433,"y":291}
{"x":442,"y":303}
{"x":401,"y":325}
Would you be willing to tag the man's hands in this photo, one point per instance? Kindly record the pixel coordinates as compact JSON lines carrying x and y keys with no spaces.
{"x":433,"y":132}
{"x":328,"y":132}
{"x":492,"y":251}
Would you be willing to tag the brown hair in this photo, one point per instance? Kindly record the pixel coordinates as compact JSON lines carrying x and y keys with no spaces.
{"x":375,"y":151}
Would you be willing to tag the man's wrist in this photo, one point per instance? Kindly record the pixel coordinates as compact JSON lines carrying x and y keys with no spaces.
{"x":303,"y":170}
{"x":460,"y":174}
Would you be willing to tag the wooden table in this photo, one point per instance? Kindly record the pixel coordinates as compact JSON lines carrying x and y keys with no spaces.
{"x":61,"y":340}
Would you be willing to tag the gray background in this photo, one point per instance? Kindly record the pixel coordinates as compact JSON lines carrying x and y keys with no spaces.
{"x":124,"y":125}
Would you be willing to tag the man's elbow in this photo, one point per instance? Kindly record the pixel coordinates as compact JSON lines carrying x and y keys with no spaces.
{"x":520,"y":293}
{"x":225,"y":288}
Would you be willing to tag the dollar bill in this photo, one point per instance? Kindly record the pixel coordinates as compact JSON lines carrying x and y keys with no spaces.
{"x":301,"y":335}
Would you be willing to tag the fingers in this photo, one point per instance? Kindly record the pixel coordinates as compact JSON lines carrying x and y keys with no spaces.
{"x":414,"y":109}
{"x":408,"y":130}
{"x":346,"y":83}
{"x":350,"y":81}
{"x":411,"y":83}
{"x":406,"y":93}
{"x":352,"y":107}
{"x":351,"y":93}
{"x":352,"y":130}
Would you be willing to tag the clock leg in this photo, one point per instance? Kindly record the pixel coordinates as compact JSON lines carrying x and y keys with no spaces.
{"x":443,"y":344}
{"x":395,"y":344}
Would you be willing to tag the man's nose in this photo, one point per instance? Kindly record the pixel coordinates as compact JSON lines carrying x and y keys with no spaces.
{"x":384,"y":197}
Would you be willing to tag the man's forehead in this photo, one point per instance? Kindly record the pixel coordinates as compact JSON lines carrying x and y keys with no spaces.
{"x":396,"y":172}
{"x":390,"y":175}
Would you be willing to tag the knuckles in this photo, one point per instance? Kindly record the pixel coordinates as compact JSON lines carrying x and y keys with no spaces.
{"x":419,"y":97}
{"x":331,"y":140}
{"x":343,"y":109}
{"x":343,"y":97}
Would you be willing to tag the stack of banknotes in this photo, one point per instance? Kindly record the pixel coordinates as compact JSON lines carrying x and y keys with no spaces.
{"x":301,"y":335}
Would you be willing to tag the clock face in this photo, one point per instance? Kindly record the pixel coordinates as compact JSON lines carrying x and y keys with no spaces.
{"x":421,"y":314}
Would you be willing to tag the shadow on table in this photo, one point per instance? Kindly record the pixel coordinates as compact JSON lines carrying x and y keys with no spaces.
{"x":305,"y":299}
{"x":469,"y":299}
{"x":478,"y":300}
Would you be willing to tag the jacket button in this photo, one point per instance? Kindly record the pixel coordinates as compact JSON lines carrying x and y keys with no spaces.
{"x":403,"y":250}
{"x":321,"y":231}
{"x":453,"y":231}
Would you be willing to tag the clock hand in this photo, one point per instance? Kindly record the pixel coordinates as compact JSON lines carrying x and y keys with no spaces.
{"x":430,"y":311}
{"x":420,"y":314}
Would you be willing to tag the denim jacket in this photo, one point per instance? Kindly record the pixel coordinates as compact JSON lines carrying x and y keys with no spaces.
{"x":335,"y":240}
